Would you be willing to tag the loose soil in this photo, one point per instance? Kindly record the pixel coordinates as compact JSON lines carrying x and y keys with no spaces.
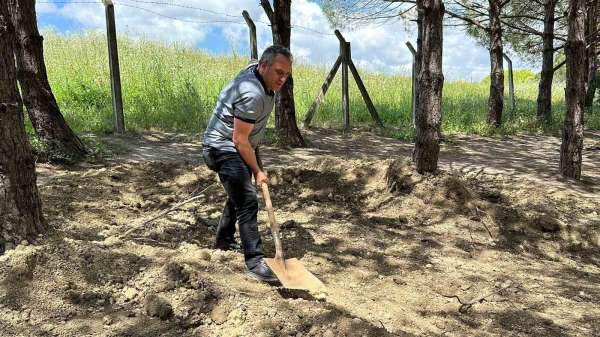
{"x":496,"y":244}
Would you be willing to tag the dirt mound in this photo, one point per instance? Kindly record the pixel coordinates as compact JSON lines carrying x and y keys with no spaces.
{"x":401,"y":254}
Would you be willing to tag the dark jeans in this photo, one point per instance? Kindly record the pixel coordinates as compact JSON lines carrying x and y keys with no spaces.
{"x":241,"y":205}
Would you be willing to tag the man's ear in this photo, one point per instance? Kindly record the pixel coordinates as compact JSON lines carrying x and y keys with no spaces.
{"x":263,"y":66}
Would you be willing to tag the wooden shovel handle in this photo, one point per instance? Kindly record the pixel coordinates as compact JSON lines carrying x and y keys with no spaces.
{"x":273,"y":222}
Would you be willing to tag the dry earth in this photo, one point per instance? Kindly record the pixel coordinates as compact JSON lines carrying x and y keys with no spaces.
{"x":495,"y":245}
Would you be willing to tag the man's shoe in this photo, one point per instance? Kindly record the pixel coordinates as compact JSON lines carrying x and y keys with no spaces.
{"x":262,"y":272}
{"x":223,"y":245}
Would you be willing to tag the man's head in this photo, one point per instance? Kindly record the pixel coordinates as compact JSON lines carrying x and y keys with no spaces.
{"x":275,"y":66}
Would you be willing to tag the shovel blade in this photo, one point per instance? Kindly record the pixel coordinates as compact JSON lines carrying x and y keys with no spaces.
{"x":293,"y":275}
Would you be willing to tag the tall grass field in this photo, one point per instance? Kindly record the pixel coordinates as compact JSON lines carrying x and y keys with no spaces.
{"x":174,"y":88}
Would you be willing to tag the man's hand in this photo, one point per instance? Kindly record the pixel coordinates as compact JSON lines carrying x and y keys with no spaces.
{"x":241,"y":133}
{"x":261,"y":178}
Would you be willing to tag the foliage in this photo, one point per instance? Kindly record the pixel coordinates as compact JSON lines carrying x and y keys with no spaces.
{"x":172,"y":88}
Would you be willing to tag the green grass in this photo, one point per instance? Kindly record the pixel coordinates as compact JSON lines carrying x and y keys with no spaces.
{"x":173,"y":88}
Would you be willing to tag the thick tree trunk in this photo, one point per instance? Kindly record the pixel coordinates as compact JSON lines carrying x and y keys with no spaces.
{"x":20,"y":204}
{"x":288,"y":133}
{"x":418,"y":59}
{"x":594,"y":86}
{"x":591,"y":58}
{"x":572,"y":138}
{"x":431,"y":82}
{"x":544,"y":100}
{"x":44,"y":113}
{"x":496,"y":99}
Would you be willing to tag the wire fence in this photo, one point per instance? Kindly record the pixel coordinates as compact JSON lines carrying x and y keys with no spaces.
{"x":224,"y":17}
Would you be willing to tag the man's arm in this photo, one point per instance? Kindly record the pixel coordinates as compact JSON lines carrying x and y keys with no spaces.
{"x":241,"y":134}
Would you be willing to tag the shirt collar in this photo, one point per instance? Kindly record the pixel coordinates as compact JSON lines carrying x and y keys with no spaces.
{"x":257,"y":74}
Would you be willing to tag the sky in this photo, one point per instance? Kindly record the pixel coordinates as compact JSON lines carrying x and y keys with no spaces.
{"x":218,"y":27}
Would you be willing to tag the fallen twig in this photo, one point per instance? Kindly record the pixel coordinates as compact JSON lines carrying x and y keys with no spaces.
{"x":129,"y":231}
{"x":388,"y":331}
{"x":465,"y":306}
{"x":477,"y":210}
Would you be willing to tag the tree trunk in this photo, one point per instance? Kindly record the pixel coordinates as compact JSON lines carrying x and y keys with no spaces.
{"x":288,"y":133}
{"x":418,"y":59}
{"x":431,"y":82}
{"x":572,"y":138}
{"x":20,"y":205}
{"x":544,"y":100}
{"x":44,"y":113}
{"x":591,"y":58}
{"x":591,"y":90}
{"x":496,"y":99}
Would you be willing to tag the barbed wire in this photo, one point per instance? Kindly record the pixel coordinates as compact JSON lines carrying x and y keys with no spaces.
{"x":180,"y":19}
{"x":70,"y":2}
{"x":183,"y":6}
{"x":121,"y":3}
{"x":151,"y":2}
{"x":154,"y":2}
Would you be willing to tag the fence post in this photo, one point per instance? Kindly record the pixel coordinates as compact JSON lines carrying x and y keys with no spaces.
{"x":511,"y":84}
{"x":345,"y":54}
{"x":252,"y":28}
{"x":115,"y":73}
{"x":414,"y":80}
{"x":315,"y":105}
{"x":345,"y":60}
{"x":365,"y":94}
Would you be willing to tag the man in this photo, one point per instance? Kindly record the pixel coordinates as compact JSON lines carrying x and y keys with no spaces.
{"x":231,"y":138}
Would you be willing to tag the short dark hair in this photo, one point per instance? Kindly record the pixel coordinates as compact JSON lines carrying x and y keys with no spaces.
{"x":268,"y":56}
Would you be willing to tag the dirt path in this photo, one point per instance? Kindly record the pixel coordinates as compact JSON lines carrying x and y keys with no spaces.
{"x":533,"y":158}
{"x":499,"y":247}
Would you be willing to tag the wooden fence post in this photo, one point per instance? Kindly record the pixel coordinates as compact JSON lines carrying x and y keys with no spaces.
{"x":511,"y":84}
{"x":345,"y":52}
{"x":315,"y":104}
{"x":115,"y":73}
{"x":345,"y":60}
{"x":414,"y":81}
{"x":252,"y":28}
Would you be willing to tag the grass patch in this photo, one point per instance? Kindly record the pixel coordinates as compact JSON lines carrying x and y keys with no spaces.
{"x":174,"y":88}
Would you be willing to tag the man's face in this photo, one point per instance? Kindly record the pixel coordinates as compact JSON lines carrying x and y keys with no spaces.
{"x":277,"y":73}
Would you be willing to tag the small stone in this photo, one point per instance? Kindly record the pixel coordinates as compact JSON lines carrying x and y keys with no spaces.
{"x":48,"y":327}
{"x":130,"y":293}
{"x":25,"y":243}
{"x":158,"y":307}
{"x":320,"y":296}
{"x":547,"y":224}
{"x":429,"y":265}
{"x":107,"y":320}
{"x":328,"y":333}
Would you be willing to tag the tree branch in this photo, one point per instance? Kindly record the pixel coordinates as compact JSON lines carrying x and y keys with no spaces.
{"x":266,"y":5}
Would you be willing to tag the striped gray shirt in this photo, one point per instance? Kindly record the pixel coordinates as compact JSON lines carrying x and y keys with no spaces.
{"x":246,"y":98}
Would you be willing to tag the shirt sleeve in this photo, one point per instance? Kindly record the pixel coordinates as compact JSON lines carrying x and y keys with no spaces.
{"x":247,"y":108}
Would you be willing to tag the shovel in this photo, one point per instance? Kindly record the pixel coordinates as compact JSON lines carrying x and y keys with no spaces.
{"x":290,"y":272}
